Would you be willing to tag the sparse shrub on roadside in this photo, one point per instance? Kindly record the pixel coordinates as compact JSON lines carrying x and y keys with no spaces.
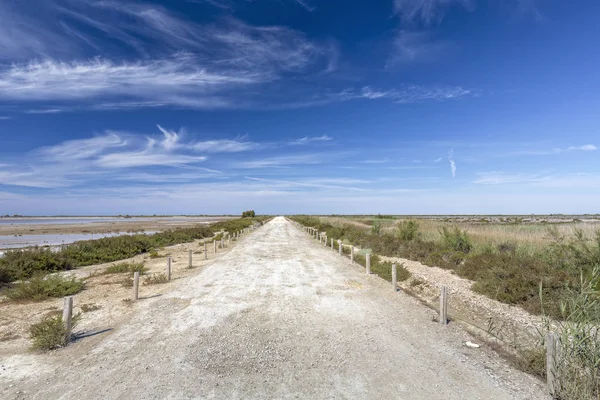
{"x":127,"y":267}
{"x":416,"y":282}
{"x":50,"y":333}
{"x":456,"y":239}
{"x":376,"y":228}
{"x":154,"y":254}
{"x":38,"y":288}
{"x":156,"y":279}
{"x":407,"y":230}
{"x":507,"y":247}
{"x":89,"y":307}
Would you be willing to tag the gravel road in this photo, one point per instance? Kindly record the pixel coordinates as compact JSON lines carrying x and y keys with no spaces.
{"x":277,"y":316}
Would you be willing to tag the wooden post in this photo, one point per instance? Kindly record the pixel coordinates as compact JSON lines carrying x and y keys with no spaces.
{"x":351,"y":253}
{"x":228,"y":240}
{"x":394,"y":278}
{"x":215,"y":245}
{"x":205,"y":252}
{"x":325,"y":241}
{"x":444,"y":306}
{"x":136,"y":284}
{"x":67,"y":317}
{"x":169,"y":268}
{"x":552,"y":354}
{"x":189,"y":258}
{"x":340,"y":247}
{"x":368,"y":257}
{"x":331,"y":244}
{"x":222,"y":242}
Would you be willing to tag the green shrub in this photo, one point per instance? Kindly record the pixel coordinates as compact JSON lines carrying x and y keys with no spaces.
{"x":456,"y":239}
{"x":376,"y":228}
{"x":126,"y":268}
{"x":408,"y":230}
{"x":38,"y":288}
{"x":50,"y":333}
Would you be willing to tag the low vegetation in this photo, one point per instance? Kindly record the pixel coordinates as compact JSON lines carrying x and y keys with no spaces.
{"x":50,"y":333}
{"x":40,"y":288}
{"x":156,"y":279}
{"x":122,"y":268}
{"x":23,"y":264}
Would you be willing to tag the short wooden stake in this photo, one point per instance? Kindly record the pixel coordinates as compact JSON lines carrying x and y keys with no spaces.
{"x":169,"y":268}
{"x":368,"y":262}
{"x":444,"y":306}
{"x":205,"y":252}
{"x":394,"y":278}
{"x":215,"y":245}
{"x":189,"y":258}
{"x":68,"y":317}
{"x":331,"y":244}
{"x":136,"y":284}
{"x":552,"y":354}
{"x":340,"y":247}
{"x":351,"y":253}
{"x":222,"y":242}
{"x":228,"y":240}
{"x":325,"y":241}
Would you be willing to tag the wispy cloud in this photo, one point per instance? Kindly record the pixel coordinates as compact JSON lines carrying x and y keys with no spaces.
{"x":585,"y":147}
{"x":3,"y":117}
{"x":427,"y":11}
{"x":502,"y":178}
{"x":311,"y":139}
{"x":437,"y":160}
{"x":452,"y":163}
{"x":310,"y":184}
{"x":417,"y":46}
{"x":283,"y":161}
{"x":82,"y":148}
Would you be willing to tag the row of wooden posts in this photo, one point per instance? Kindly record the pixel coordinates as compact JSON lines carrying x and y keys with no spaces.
{"x":322,"y":238}
{"x":553,"y":345}
{"x":68,"y":301}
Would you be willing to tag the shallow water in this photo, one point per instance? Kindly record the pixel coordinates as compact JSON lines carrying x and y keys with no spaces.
{"x":16,"y":242}
{"x":80,"y":220}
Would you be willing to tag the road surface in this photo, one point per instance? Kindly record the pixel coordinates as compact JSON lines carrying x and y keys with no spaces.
{"x":275,"y":317}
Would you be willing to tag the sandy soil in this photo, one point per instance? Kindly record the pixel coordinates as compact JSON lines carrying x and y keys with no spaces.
{"x":275,"y":316}
{"x":124,"y":225}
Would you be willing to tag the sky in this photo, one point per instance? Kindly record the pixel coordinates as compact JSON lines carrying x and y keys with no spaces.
{"x":299,"y":106}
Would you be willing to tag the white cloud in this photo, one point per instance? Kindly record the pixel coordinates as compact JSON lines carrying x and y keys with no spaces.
{"x":282,"y":161}
{"x":585,"y":147}
{"x":501,"y":178}
{"x":452,"y":163}
{"x":309,"y":139}
{"x":144,"y":159}
{"x":3,"y":117}
{"x":437,"y":160}
{"x":82,"y":148}
{"x":223,"y":146}
{"x":413,"y":93}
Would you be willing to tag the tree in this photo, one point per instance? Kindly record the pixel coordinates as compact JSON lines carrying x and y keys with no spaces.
{"x":248,"y":213}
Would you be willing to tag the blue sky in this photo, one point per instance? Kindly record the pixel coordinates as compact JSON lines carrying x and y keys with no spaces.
{"x":299,"y":106}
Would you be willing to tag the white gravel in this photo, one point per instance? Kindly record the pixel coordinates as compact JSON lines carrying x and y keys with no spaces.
{"x":277,"y":316}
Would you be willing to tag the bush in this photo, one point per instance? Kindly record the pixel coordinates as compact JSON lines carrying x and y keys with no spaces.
{"x":38,"y":288}
{"x":248,"y":213}
{"x":376,"y":228}
{"x":122,"y":268}
{"x":456,"y":239}
{"x":50,"y":333}
{"x":408,"y":230}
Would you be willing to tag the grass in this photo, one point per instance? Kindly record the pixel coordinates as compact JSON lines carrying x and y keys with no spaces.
{"x":22,"y":264}
{"x":122,"y":268}
{"x":39,"y":288}
{"x":89,"y":307}
{"x":50,"y":333}
{"x":156,"y":279}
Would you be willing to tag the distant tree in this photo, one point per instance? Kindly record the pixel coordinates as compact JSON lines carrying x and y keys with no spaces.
{"x":248,"y":214}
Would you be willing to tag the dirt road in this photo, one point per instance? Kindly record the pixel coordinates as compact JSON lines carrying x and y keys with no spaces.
{"x":277,"y":316}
